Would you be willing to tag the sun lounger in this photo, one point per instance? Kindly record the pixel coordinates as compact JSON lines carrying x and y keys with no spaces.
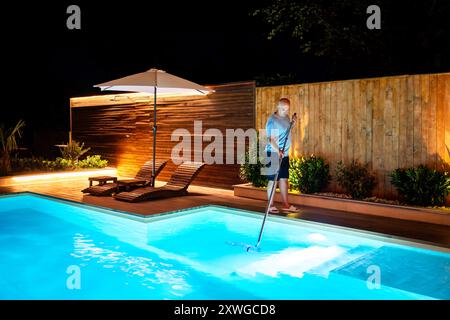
{"x":142,"y":178}
{"x":177,"y":185}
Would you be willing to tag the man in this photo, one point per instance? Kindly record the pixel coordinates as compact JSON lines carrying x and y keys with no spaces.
{"x":276,"y":129}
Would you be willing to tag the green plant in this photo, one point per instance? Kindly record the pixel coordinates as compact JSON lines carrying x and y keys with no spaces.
{"x":73,"y":150}
{"x":309,"y":174}
{"x":421,"y":185}
{"x":60,"y":164}
{"x":356,"y":179}
{"x":250,"y":169}
{"x":30,"y":164}
{"x":94,"y":161}
{"x":27,"y":164}
{"x":8,"y":144}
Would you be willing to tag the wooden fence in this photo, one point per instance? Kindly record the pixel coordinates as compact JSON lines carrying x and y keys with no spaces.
{"x":118,"y":127}
{"x":387,"y":122}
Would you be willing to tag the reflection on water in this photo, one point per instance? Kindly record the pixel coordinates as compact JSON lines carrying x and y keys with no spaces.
{"x":149,"y":272}
{"x":293,"y":261}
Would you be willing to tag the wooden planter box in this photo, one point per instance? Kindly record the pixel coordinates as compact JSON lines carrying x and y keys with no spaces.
{"x":427,"y":215}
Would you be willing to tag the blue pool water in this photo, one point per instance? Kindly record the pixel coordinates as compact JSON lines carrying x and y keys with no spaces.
{"x":185,"y":255}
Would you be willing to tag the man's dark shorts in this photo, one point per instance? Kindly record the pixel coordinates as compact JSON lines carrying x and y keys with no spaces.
{"x":284,"y":168}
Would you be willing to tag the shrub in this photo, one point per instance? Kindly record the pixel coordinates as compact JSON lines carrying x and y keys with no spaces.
{"x":30,"y":164}
{"x":251,"y":172}
{"x":94,"y":161}
{"x":422,"y":185}
{"x":60,"y":164}
{"x":356,"y":179}
{"x":309,"y":174}
{"x":73,"y":151}
{"x":27,"y":164}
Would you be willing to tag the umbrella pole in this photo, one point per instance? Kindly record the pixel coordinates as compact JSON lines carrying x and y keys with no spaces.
{"x":154,"y":138}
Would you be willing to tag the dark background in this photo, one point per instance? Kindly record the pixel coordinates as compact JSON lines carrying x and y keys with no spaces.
{"x":44,"y":63}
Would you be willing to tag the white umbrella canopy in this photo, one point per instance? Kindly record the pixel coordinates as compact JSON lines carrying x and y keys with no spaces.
{"x":155,"y":81}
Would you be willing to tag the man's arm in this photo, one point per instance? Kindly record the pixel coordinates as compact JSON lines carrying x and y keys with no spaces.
{"x":274,"y":145}
{"x":273,"y":140}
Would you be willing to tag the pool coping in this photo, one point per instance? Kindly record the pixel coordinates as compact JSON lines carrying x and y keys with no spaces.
{"x":415,"y":243}
{"x":402,"y":212}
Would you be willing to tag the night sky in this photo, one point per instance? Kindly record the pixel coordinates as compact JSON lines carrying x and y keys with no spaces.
{"x":44,"y":63}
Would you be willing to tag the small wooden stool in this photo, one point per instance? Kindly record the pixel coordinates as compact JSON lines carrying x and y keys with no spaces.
{"x":102,"y":180}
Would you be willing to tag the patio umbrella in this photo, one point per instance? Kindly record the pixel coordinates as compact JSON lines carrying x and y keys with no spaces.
{"x":154,"y":81}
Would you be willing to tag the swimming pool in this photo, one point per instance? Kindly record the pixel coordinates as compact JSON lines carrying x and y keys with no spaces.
{"x":54,"y":249}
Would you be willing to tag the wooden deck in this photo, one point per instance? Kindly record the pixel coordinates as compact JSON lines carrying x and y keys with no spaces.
{"x":70,"y":189}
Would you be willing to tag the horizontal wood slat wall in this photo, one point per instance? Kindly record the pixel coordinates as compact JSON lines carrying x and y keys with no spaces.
{"x":119,"y":127}
{"x":388,"y":122}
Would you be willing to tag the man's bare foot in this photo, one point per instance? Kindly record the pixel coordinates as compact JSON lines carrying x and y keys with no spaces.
{"x":274,"y":210}
{"x":291,"y":208}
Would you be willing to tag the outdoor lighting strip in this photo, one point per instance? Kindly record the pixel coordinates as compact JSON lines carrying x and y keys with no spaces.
{"x":50,"y":176}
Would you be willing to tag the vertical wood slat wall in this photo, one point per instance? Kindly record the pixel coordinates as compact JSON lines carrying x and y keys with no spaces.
{"x":388,"y":122}
{"x":118,"y":127}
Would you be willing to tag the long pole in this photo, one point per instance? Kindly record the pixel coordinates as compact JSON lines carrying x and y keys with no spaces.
{"x":70,"y":122}
{"x":274,"y":186}
{"x":154,"y":136}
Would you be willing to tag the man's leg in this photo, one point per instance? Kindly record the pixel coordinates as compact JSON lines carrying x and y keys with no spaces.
{"x":269,"y":189}
{"x":284,"y":187}
{"x":283,"y":184}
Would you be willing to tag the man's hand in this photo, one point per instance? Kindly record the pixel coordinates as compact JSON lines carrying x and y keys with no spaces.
{"x":294,"y":119}
{"x":280,"y":154}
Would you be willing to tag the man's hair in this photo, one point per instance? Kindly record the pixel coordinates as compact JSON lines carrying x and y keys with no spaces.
{"x":283,"y":101}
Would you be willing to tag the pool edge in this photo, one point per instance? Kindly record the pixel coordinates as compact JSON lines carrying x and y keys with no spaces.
{"x":415,"y":243}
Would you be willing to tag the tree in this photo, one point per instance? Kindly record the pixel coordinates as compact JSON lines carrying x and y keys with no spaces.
{"x":321,"y":27}
{"x":413,"y":35}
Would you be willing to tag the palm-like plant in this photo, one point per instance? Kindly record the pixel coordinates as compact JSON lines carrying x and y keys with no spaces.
{"x":8,"y":144}
{"x":73,"y":151}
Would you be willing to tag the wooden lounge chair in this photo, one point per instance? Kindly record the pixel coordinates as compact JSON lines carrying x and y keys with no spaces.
{"x":177,"y":185}
{"x":142,"y":178}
